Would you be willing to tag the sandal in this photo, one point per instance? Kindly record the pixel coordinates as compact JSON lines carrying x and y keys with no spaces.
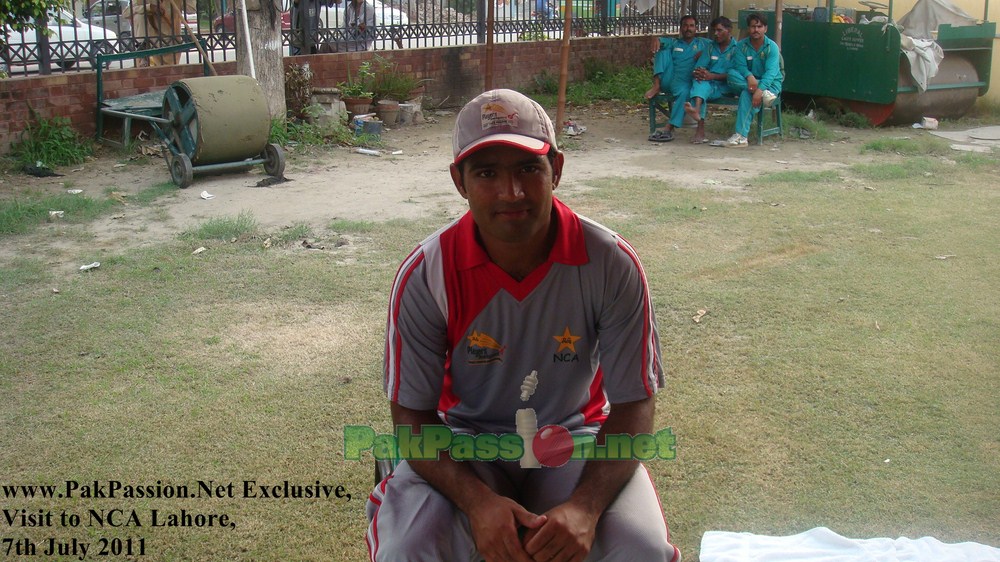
{"x":661,"y":136}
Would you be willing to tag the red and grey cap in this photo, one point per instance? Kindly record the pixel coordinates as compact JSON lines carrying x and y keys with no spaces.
{"x":502,"y":117}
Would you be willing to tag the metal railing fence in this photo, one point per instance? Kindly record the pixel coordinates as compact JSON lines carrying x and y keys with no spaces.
{"x":80,"y":31}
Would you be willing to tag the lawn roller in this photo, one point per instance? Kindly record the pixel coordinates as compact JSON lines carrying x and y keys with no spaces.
{"x":863,"y":65}
{"x":216,"y":123}
{"x":209,"y":124}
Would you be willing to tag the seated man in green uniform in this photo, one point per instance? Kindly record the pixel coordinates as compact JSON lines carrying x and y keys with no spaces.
{"x":756,"y":74}
{"x":711,"y":81}
{"x":673,"y":67}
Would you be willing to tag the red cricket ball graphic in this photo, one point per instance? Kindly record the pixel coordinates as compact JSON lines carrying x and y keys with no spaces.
{"x":552,"y":445}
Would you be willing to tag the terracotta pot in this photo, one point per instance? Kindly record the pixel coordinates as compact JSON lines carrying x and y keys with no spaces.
{"x":387,"y":111}
{"x":416,"y":93}
{"x":357,"y":106}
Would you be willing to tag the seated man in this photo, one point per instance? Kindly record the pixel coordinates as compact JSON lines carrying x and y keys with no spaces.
{"x":711,"y":82}
{"x":756,"y":74}
{"x":673,"y":67}
{"x":520,"y":314}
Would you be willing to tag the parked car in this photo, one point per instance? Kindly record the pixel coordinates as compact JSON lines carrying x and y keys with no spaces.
{"x":333,"y":16}
{"x":109,"y":15}
{"x":227,"y":23}
{"x":71,"y":41}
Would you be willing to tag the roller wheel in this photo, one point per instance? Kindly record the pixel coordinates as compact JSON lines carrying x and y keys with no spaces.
{"x":274,"y":160}
{"x":182,"y":132}
{"x":181,"y":170}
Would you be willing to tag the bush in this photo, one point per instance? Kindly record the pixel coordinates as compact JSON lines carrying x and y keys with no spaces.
{"x":626,"y":84}
{"x":596,"y":69}
{"x":53,"y":142}
{"x":546,"y":83}
{"x":388,"y":83}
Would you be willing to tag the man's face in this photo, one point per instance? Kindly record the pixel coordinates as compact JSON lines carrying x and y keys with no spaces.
{"x":722,"y":34}
{"x":509,"y":192}
{"x":688,"y":29}
{"x":757,"y":30}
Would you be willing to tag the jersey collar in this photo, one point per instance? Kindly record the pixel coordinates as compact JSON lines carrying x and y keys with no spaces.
{"x":569,"y":248}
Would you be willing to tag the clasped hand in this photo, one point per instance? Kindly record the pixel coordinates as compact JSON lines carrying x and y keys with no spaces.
{"x":565,"y":533}
{"x":755,"y":91}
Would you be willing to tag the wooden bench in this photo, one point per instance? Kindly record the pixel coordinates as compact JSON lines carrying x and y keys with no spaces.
{"x":149,"y":104}
{"x":660,"y":105}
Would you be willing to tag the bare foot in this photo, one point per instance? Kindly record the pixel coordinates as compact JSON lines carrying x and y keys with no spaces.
{"x":691,"y":111}
{"x":699,"y":133}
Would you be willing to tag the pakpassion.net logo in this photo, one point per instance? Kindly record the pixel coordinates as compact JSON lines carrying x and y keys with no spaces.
{"x":551,"y":445}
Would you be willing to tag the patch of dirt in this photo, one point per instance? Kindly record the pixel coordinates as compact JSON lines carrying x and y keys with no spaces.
{"x":338,"y":183}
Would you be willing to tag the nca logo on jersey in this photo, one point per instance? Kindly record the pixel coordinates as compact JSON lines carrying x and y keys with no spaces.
{"x":566,"y":352}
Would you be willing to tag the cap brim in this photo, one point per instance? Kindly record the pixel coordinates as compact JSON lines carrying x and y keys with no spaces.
{"x":529,"y":144}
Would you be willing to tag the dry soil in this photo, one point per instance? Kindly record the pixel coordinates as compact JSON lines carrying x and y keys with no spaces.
{"x":409,"y":180}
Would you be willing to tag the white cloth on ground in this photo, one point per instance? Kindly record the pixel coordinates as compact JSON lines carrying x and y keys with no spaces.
{"x":823,"y":545}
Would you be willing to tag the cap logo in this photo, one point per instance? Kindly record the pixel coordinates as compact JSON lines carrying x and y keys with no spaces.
{"x":502,"y":117}
{"x":495,"y":115}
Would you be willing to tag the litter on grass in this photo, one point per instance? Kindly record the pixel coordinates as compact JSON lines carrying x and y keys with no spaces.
{"x":573,"y":129}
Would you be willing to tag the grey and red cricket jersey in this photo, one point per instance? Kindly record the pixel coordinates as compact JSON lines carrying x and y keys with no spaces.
{"x":462,"y":334}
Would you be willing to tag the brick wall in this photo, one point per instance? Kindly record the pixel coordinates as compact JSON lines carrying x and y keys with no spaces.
{"x":455,"y":73}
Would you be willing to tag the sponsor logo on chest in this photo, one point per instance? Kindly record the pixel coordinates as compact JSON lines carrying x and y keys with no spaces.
{"x":483,"y":349}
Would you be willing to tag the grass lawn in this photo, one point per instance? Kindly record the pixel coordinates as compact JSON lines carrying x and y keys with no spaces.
{"x":845,"y":374}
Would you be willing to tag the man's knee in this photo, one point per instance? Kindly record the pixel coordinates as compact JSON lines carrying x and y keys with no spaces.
{"x":735,"y":81}
{"x":410,"y":520}
{"x":635,"y":543}
{"x":407,"y":546}
{"x":430,"y":536}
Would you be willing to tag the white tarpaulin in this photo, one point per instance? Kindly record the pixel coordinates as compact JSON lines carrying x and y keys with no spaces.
{"x":925,"y":57}
{"x":927,"y":15}
{"x":823,"y":545}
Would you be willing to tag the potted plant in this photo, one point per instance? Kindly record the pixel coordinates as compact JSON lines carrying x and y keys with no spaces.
{"x":391,"y":86}
{"x":356,"y":92}
{"x":389,"y":83}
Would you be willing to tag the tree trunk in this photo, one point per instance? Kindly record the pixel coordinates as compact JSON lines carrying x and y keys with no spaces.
{"x":264,"y":19}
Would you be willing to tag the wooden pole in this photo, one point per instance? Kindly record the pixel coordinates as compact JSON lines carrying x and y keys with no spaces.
{"x":490,"y":15}
{"x":778,"y":10}
{"x":197,"y":43}
{"x":564,"y":65}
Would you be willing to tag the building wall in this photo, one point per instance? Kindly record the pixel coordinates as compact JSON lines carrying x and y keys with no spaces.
{"x":455,"y":73}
